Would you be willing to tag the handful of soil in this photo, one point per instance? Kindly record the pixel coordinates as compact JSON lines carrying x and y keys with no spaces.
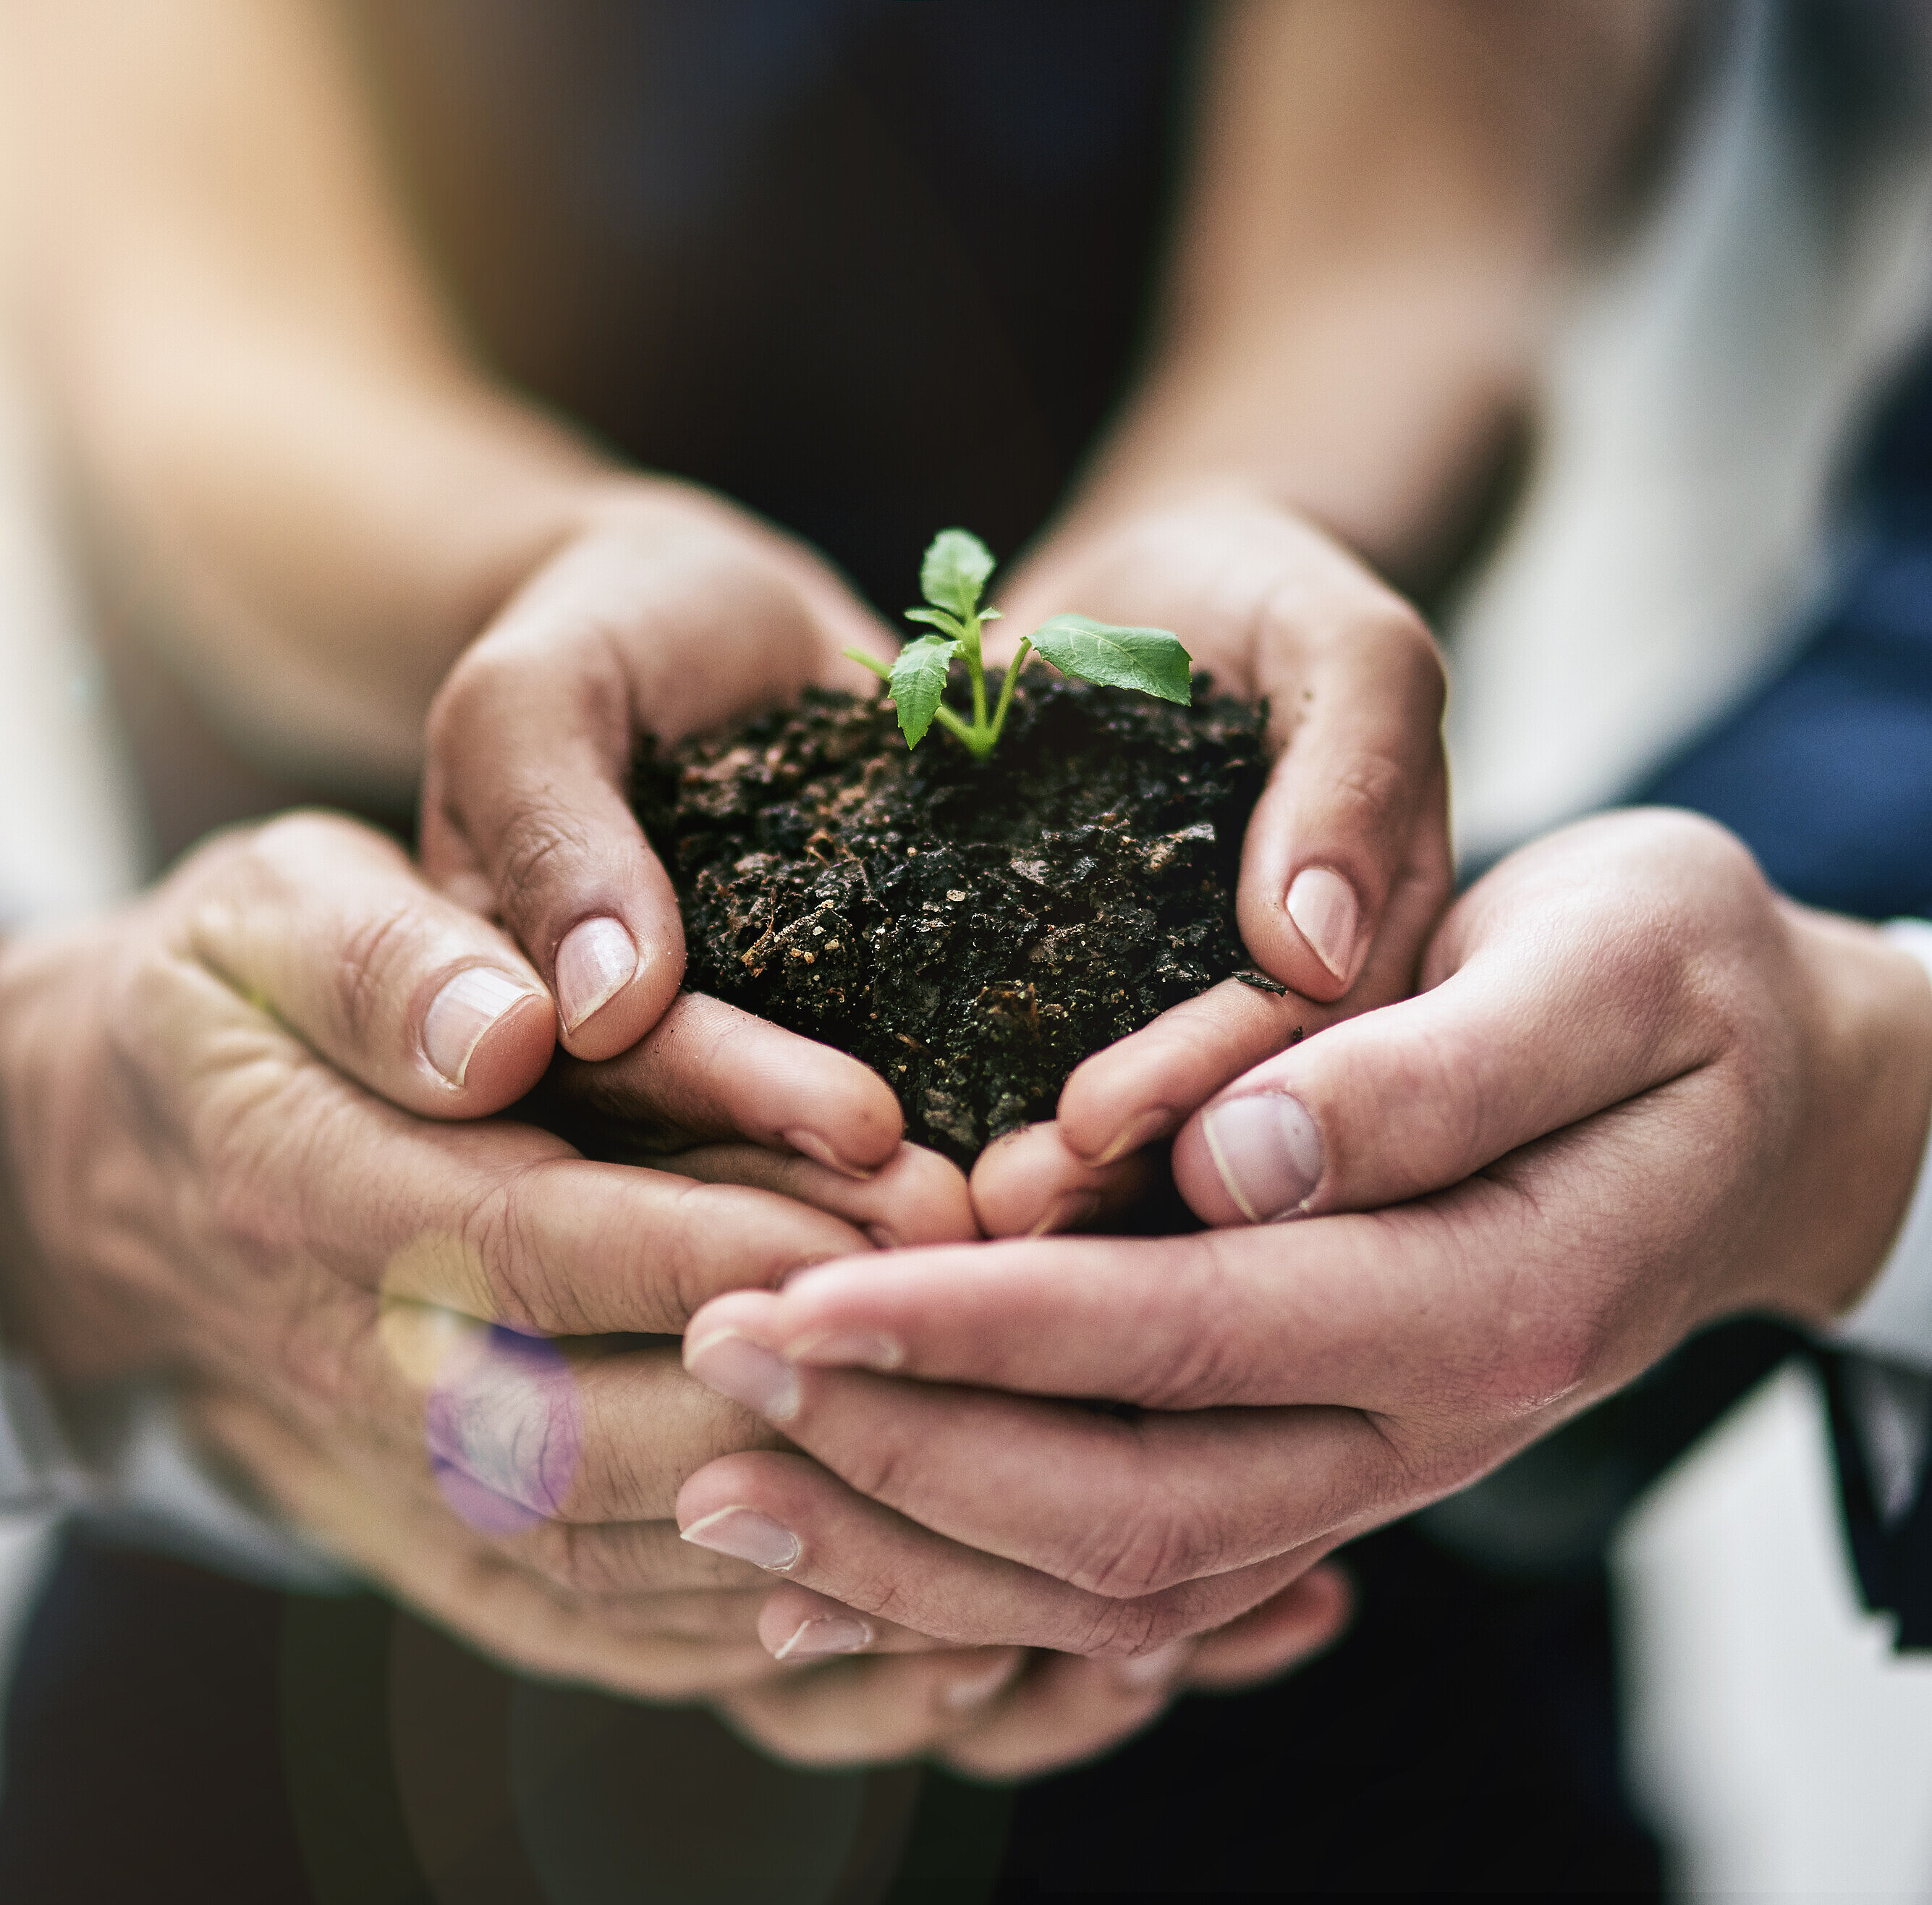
{"x":971,"y":929}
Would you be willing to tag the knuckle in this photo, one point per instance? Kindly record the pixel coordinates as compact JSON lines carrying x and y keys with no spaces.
{"x":1153,"y":1541}
{"x":1368,"y":797}
{"x":539,"y":840}
{"x":371,"y":970}
{"x":1119,"y":1629}
{"x":502,"y":1237}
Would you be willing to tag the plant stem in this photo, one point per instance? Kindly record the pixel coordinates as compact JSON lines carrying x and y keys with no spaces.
{"x":1007,"y":692}
{"x":978,"y":741}
{"x":882,"y":669}
{"x":977,"y":672}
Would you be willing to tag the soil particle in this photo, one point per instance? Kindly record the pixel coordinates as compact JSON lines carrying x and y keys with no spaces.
{"x":971,"y":930}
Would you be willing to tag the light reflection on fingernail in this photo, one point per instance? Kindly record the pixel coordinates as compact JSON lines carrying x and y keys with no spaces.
{"x":1145,"y":1671}
{"x":975,"y":1690}
{"x":463,"y":1012}
{"x":746,"y":1373}
{"x":824,"y":1634}
{"x":746,"y":1536}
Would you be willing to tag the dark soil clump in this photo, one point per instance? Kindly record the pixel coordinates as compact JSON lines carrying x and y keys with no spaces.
{"x":970,"y":930}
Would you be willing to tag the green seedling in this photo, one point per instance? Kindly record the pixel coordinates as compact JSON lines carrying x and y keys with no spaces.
{"x":952,"y":578}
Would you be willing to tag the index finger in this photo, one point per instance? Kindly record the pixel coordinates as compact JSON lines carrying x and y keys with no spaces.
{"x":497,"y":1220}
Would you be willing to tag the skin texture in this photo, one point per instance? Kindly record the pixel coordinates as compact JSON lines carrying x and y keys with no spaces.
{"x":1638,"y":1092}
{"x":229,"y":1157}
{"x":220,"y":286}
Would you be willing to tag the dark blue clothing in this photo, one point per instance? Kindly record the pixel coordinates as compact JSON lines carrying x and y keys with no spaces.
{"x":1826,"y":773}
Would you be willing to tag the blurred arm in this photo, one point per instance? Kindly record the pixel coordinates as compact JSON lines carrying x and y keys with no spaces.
{"x":1383,"y":190}
{"x":321,"y":497}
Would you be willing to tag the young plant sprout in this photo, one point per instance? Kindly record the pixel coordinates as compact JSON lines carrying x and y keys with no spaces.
{"x":952,"y":578}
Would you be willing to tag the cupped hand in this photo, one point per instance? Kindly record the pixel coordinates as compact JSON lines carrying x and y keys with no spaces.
{"x":669,"y":611}
{"x":1345,"y":865}
{"x":241,"y":1125}
{"x":1638,"y":1092}
{"x":234,"y":1127}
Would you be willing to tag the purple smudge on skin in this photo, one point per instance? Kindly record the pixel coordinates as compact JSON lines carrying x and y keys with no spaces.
{"x":487,"y":1512}
{"x":505,"y":1431}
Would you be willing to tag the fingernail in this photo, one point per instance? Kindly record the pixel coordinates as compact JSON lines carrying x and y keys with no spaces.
{"x":745,"y":1535}
{"x":1268,"y":1151}
{"x":460,"y":1014}
{"x":975,"y":1690}
{"x":809,"y":1144}
{"x":1322,"y":906}
{"x":852,"y":1350}
{"x":595,"y":963}
{"x":1151,"y":1123}
{"x":741,"y":1371}
{"x":1067,"y":1212}
{"x":825,"y":1633}
{"x":1146,"y":1671}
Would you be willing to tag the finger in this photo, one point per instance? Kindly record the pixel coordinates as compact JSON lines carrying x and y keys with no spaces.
{"x":1358,"y":1310}
{"x":608,"y":1560}
{"x":572,"y":1248}
{"x":917,"y":1196}
{"x":857,"y":1550}
{"x":326,"y":925}
{"x":530,"y":743}
{"x":1354,"y":687}
{"x":1140,"y":1091}
{"x":1307,"y":1617}
{"x":437,"y":1566}
{"x":1547,"y":1019}
{"x":1063,"y":1710}
{"x":708,"y":1072}
{"x":796,"y":1624}
{"x":863,"y":1711}
{"x":495,"y":1220}
{"x":1028,"y":1183}
{"x":519,"y":1429}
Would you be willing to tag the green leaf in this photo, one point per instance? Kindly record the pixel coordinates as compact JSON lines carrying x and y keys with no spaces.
{"x":954,"y":571}
{"x":939,"y":619}
{"x":919,"y":679}
{"x":1151,"y":660}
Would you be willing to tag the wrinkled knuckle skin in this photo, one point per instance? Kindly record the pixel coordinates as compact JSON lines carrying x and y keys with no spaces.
{"x":1119,"y":1628}
{"x":1368,"y":797}
{"x":1151,"y":1545}
{"x":537,"y":838}
{"x":371,"y":971}
{"x":528,"y":1292}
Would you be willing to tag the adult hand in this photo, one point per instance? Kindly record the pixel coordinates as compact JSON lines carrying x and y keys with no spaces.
{"x":240,"y":1125}
{"x":995,"y":1712}
{"x":667,"y":612}
{"x":1345,"y":865}
{"x":1639,"y":1091}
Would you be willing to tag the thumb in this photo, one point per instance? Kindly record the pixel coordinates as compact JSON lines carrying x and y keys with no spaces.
{"x":524,"y":802}
{"x":1546,"y":1018}
{"x":327,"y":926}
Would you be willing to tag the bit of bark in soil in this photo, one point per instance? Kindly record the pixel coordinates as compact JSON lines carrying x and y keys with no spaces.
{"x":970,"y":930}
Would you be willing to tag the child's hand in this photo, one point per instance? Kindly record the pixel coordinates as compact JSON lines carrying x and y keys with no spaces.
{"x":669,"y":612}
